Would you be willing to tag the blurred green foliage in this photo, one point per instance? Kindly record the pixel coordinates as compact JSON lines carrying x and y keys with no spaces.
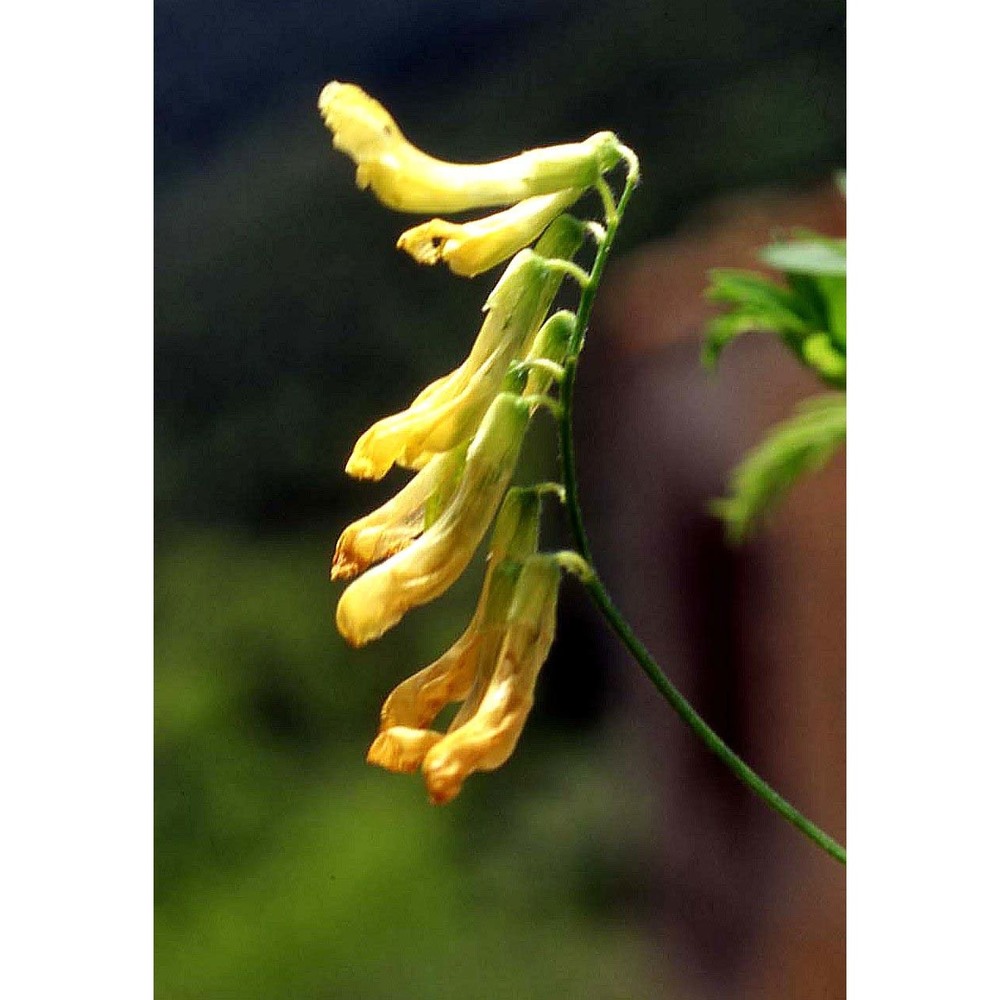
{"x":808,"y":311}
{"x":286,"y":868}
{"x":796,"y":446}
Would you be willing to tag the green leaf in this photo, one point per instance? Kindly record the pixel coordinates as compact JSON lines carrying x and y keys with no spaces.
{"x":799,"y":445}
{"x":762,"y":306}
{"x":810,"y":314}
{"x":834,"y":290}
{"x":813,"y":255}
{"x":823,"y":358}
{"x":723,"y":330}
{"x":810,"y":303}
{"x":747,"y":288}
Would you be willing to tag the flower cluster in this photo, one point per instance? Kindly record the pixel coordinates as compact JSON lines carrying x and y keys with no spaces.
{"x":462,"y":436}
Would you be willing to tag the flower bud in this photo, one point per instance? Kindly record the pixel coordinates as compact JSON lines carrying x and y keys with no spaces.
{"x":550,"y":344}
{"x":407,"y":179}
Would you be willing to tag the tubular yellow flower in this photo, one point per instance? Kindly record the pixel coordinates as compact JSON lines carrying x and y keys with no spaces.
{"x":403,"y":737}
{"x":397,"y":522}
{"x":405,"y":178}
{"x":447,"y":412}
{"x":427,"y":567}
{"x":486,"y":730}
{"x":469,"y":248}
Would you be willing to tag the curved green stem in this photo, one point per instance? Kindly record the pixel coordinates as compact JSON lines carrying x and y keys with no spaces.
{"x":596,"y":589}
{"x":702,"y":730}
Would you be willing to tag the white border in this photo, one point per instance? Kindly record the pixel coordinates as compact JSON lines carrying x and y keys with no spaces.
{"x":923,"y":553}
{"x":76,"y":408}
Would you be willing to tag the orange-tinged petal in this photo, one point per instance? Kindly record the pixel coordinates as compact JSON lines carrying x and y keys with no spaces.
{"x":489,"y":737}
{"x":415,"y":703}
{"x":401,"y":749}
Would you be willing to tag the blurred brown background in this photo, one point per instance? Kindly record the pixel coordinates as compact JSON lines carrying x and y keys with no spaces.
{"x":612,"y":856}
{"x":755,"y":635}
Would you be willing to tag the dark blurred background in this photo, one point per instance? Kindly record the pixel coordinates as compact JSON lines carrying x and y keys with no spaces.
{"x":612,"y":857}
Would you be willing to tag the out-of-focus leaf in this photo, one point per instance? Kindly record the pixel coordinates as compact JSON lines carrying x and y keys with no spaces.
{"x":747,"y":288}
{"x":834,"y":291}
{"x":810,"y":314}
{"x":761,"y":306}
{"x":722,"y":330}
{"x":799,"y":445}
{"x":810,"y":303}
{"x":808,"y":256}
{"x":823,"y":358}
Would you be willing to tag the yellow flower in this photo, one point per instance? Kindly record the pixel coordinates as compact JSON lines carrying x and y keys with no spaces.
{"x":495,"y":671}
{"x":427,"y":567}
{"x":497,"y":715}
{"x":404,"y":738}
{"x":448,"y":411}
{"x":397,"y":522}
{"x":469,"y":248}
{"x":405,"y":178}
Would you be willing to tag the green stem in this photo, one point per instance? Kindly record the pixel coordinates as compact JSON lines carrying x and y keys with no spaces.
{"x":573,"y":353}
{"x":703,"y":731}
{"x":597,"y":590}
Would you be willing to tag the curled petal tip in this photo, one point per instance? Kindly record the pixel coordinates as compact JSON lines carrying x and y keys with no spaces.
{"x":360,"y":125}
{"x":343,"y":569}
{"x":473,"y":247}
{"x":328,"y":93}
{"x":426,"y":243}
{"x":442,"y":797}
{"x":401,"y":749}
{"x":349,"y":629}
{"x":442,"y":779}
{"x":362,"y":467}
{"x":345,"y":565}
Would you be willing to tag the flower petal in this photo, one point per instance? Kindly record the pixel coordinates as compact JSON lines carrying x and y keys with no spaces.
{"x":401,"y":749}
{"x":470,"y":248}
{"x":404,"y":739}
{"x":391,"y":527}
{"x":377,"y":600}
{"x":405,"y":178}
{"x":490,"y":735}
{"x":448,"y":411}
